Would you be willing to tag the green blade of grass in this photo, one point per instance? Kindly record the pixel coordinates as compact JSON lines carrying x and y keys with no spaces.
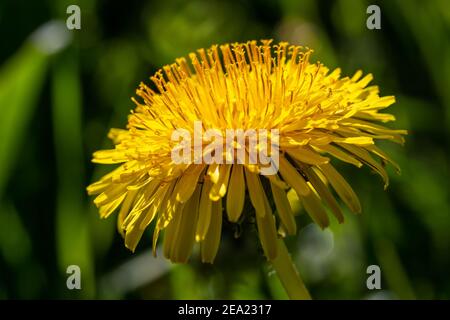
{"x":73,"y":241}
{"x":21,"y":80}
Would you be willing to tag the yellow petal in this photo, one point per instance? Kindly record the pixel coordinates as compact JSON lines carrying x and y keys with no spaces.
{"x":365,"y":81}
{"x":294,"y":202}
{"x":357,"y":75}
{"x":275,"y":179}
{"x":117,"y":135}
{"x":162,"y":200}
{"x":293,"y":178}
{"x":365,"y":157}
{"x":214,"y":172}
{"x":140,"y":184}
{"x":256,"y":192}
{"x":98,"y":187}
{"x":106,"y":210}
{"x":204,"y":212}
{"x":185,"y":234}
{"x":166,"y":215}
{"x":267,"y":231}
{"x":210,"y":245}
{"x":188,"y":182}
{"x":284,"y":209}
{"x":125,"y":209}
{"x":384,"y":156}
{"x":356,"y":140}
{"x":137,"y":220}
{"x":154,"y":190}
{"x":372,"y":127}
{"x":110,"y":194}
{"x":315,"y":209}
{"x":306,"y":155}
{"x":394,"y":135}
{"x":372,"y":115}
{"x":170,"y":232}
{"x":155,"y":239}
{"x":342,"y":188}
{"x":133,"y":233}
{"x":383,"y":102}
{"x":325,"y":194}
{"x":339,"y":154}
{"x":236,"y":193}
{"x":111,"y":156}
{"x":219,"y":189}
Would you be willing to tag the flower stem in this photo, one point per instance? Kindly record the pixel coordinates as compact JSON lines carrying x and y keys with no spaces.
{"x":288,"y":274}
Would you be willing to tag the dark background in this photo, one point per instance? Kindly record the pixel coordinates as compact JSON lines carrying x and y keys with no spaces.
{"x":56,"y":109}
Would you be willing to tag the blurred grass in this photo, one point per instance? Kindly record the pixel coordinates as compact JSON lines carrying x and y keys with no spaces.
{"x":72,"y":234}
{"x":21,"y":79}
{"x":395,"y":274}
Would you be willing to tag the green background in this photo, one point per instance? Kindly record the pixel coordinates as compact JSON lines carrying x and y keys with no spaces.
{"x":56,"y":109}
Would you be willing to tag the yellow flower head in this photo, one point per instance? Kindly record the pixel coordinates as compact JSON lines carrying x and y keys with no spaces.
{"x":244,"y":86}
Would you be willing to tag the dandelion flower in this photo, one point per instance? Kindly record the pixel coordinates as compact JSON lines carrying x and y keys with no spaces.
{"x":320,"y":116}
